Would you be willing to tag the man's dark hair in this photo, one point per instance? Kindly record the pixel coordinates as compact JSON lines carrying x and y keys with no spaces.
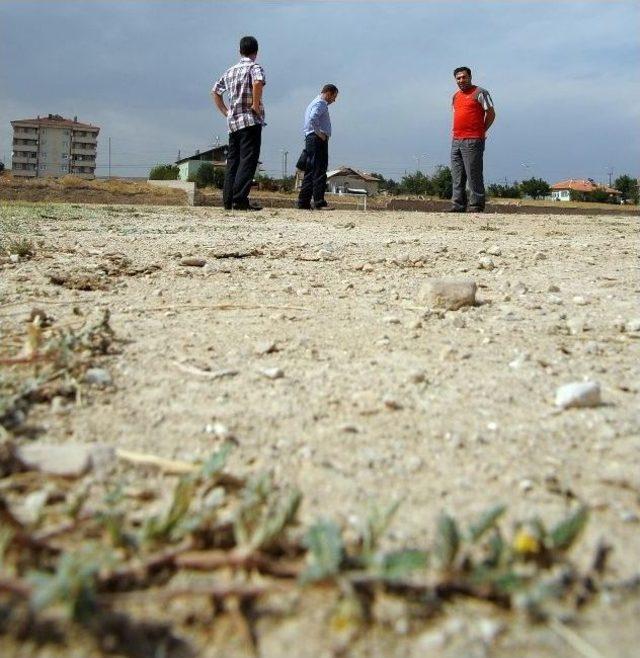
{"x":248,"y":46}
{"x":460,"y":69}
{"x":331,"y":89}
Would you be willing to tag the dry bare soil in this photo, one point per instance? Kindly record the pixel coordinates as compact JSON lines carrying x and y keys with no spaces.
{"x":377,"y":397}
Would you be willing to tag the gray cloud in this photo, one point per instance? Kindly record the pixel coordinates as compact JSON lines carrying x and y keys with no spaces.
{"x":562,"y":75}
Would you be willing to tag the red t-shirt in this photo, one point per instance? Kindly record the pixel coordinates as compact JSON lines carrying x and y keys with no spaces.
{"x":469,"y":108}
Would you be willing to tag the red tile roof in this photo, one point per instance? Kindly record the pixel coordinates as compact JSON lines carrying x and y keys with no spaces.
{"x":54,"y":121}
{"x":582,"y":185}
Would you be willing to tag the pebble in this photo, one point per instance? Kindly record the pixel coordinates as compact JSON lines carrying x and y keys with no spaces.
{"x":494,"y":250}
{"x":272,"y":373}
{"x":580,"y":300}
{"x":451,"y":294}
{"x":14,"y":258}
{"x":458,"y":322}
{"x":193,"y":262}
{"x":490,"y":630}
{"x":265,"y":347}
{"x":391,"y":319}
{"x":525,"y":485}
{"x":418,"y":376}
{"x":67,"y":460}
{"x":520,"y":288}
{"x":220,"y":430}
{"x":578,"y":394}
{"x":553,"y":288}
{"x":554,"y":299}
{"x":486,"y":263}
{"x":539,"y":255}
{"x":633,"y":326}
{"x":349,"y":428}
{"x":391,"y":403}
{"x":97,"y":377}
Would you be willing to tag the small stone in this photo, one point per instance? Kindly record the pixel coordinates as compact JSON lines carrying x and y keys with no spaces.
{"x":14,"y":258}
{"x":97,"y":377}
{"x":633,"y":326}
{"x":265,"y":347}
{"x":70,"y":460}
{"x":418,"y":376}
{"x":554,"y":299}
{"x":494,"y":250}
{"x":520,"y":288}
{"x":219,"y":430}
{"x":272,"y":373}
{"x":578,"y":394}
{"x":450,"y":294}
{"x":391,"y":319}
{"x":458,"y":322}
{"x":525,"y":485}
{"x":629,"y":516}
{"x":193,"y":262}
{"x":490,"y":630}
{"x":579,"y":300}
{"x":391,"y":403}
{"x":486,"y":263}
{"x":539,"y":255}
{"x":430,"y":641}
{"x":349,"y":428}
{"x":553,"y":288}
{"x":367,"y":267}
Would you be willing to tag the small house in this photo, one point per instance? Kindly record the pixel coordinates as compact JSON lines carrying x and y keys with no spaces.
{"x":579,"y":189}
{"x":344,"y":179}
{"x":189,"y":166}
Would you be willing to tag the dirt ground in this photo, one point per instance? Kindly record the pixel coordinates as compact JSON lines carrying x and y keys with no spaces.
{"x":377,"y":397}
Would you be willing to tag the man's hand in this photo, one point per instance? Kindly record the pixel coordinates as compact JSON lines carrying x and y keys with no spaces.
{"x":256,"y":105}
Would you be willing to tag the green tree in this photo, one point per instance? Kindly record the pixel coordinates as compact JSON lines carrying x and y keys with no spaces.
{"x":416,"y":183}
{"x":628,"y":186}
{"x":386,"y":184}
{"x":506,"y":191}
{"x":535,"y":188}
{"x":442,"y":182}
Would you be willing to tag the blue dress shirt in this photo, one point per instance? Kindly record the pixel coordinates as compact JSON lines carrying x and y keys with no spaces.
{"x":317,"y":117}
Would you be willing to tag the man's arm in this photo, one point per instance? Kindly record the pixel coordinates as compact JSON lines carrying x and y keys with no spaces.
{"x":219,"y":103}
{"x":489,"y":118}
{"x":257,"y":97}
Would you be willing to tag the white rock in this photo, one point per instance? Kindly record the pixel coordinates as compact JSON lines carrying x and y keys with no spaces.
{"x":494,"y":250}
{"x":486,"y":263}
{"x":265,"y":347}
{"x":272,"y":373}
{"x":391,"y":319}
{"x":633,"y":326}
{"x":578,"y":394}
{"x":525,"y":485}
{"x":67,"y":460}
{"x":14,"y":258}
{"x":580,"y":300}
{"x":554,"y":299}
{"x":97,"y":377}
{"x":451,"y":294}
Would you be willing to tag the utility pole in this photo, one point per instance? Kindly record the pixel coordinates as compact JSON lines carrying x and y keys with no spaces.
{"x":178,"y":154}
{"x":610,"y":173}
{"x":109,"y":157}
{"x":284,"y":155}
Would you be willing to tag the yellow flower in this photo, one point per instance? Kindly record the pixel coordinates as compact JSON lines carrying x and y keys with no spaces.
{"x":525,"y":543}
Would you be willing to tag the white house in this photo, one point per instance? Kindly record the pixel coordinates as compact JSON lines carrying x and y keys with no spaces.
{"x":189,"y":166}
{"x":340,"y":181}
{"x":580,"y":188}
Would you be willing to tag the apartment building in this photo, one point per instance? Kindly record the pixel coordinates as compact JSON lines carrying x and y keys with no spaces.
{"x":54,"y":146}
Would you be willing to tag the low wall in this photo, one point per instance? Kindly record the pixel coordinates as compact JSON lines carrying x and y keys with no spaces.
{"x":189,"y":188}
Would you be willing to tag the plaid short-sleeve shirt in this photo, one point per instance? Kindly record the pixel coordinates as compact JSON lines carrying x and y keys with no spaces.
{"x":238,"y":83}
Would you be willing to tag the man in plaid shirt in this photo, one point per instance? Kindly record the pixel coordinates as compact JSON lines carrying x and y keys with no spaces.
{"x":245,"y":117}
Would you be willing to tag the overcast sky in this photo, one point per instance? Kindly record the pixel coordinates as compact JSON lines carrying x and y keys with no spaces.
{"x":563,"y":76}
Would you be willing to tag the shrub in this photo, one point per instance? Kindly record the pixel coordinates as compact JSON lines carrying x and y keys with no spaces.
{"x":505,"y":191}
{"x":535,"y":188}
{"x":164,"y":172}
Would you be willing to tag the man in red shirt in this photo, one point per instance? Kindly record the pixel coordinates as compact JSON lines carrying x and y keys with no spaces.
{"x":473,"y":114}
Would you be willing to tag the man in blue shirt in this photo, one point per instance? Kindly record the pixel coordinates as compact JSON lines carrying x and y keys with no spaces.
{"x":317,"y":131}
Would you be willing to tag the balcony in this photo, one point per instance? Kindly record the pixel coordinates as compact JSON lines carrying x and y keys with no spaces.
{"x":77,"y":150}
{"x":25,"y":147}
{"x":24,"y":159}
{"x":85,"y":139}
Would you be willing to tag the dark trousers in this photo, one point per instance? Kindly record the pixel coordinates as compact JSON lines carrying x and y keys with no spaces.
{"x":466,"y":168}
{"x":242,"y":160}
{"x":314,"y":182}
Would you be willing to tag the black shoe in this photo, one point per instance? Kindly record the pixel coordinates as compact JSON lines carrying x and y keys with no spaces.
{"x":319,"y":205}
{"x":456,"y":210}
{"x":475,"y":209}
{"x":228,"y":207}
{"x":248,"y":206}
{"x":303,"y":207}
